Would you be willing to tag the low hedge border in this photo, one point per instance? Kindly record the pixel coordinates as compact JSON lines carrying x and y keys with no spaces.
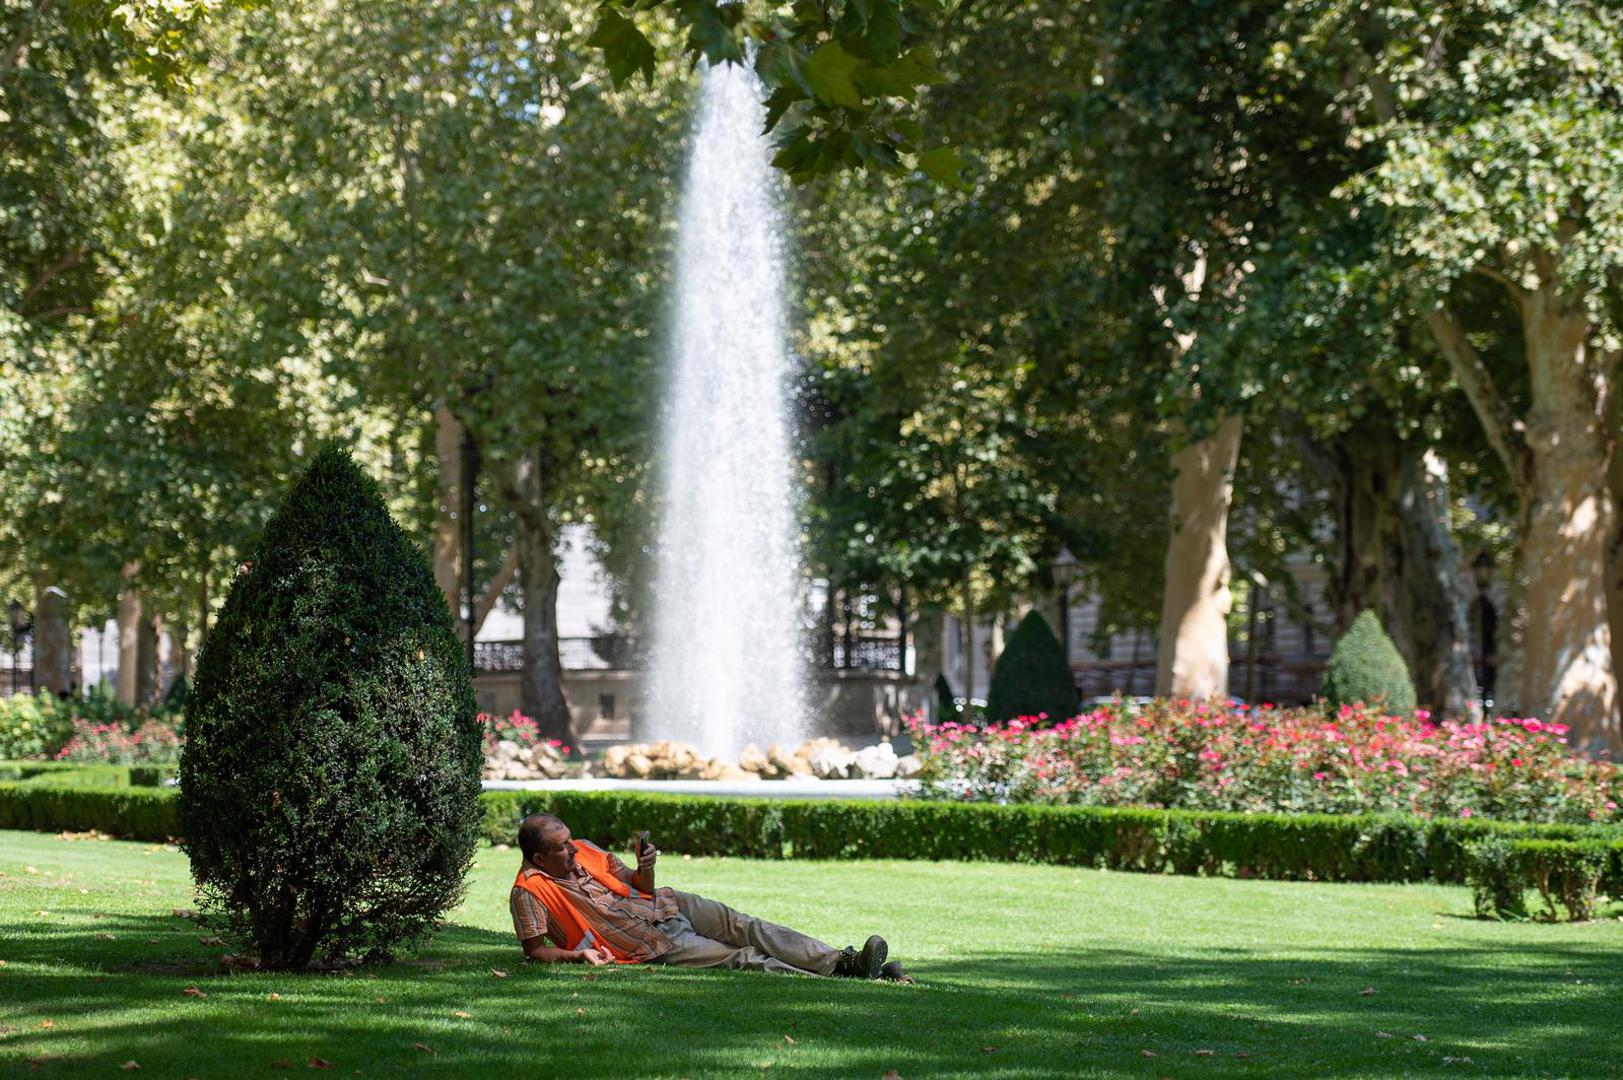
{"x":1568,"y":875}
{"x":1314,"y":847}
{"x":85,"y":774}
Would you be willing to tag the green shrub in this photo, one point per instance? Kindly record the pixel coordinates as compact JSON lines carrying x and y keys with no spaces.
{"x":33,"y":725}
{"x":130,"y":813}
{"x":1498,"y":887}
{"x":1032,"y":677}
{"x":152,"y":775}
{"x":330,"y":778}
{"x":65,"y":773}
{"x":1365,"y":667}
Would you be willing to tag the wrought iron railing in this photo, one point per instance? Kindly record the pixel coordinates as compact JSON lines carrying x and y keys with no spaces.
{"x":604,"y":652}
{"x":868,"y":653}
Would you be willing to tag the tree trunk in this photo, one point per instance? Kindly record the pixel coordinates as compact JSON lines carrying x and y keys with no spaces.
{"x":181,"y":651}
{"x":1193,"y":660}
{"x":1396,"y":556}
{"x":927,"y":658}
{"x":447,"y":556}
{"x":146,"y":660}
{"x":53,"y":640}
{"x":129,"y":636}
{"x":541,"y":680}
{"x":969,"y":641}
{"x":1432,"y":596}
{"x":1568,"y":514}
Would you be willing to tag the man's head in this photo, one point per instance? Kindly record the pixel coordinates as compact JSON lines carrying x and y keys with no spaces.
{"x":546,"y":844}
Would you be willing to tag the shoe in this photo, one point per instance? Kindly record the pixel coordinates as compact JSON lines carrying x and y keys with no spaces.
{"x":891,"y":971}
{"x":865,"y":964}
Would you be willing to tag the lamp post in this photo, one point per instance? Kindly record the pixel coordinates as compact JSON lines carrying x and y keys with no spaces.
{"x":1064,"y":569}
{"x":21,"y":623}
{"x":1482,"y":570}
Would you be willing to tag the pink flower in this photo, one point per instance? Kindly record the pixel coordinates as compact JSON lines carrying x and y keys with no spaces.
{"x":1466,"y":812}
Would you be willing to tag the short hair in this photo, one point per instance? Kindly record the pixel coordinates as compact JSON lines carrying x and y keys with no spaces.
{"x":532,"y":832}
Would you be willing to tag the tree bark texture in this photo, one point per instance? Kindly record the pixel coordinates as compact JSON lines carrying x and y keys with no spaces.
{"x":146,"y":662}
{"x":129,"y":645}
{"x":1396,"y":556}
{"x":1568,"y":518}
{"x":53,"y":639}
{"x":447,"y":510}
{"x":541,"y":680}
{"x":1193,"y":660}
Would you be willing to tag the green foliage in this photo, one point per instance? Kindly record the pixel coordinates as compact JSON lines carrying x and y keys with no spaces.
{"x":152,"y":775}
{"x":1032,"y":677}
{"x":1365,"y":667}
{"x":1566,"y":873}
{"x":65,"y":774}
{"x":33,"y":725}
{"x":848,"y":77}
{"x":331,"y":770}
{"x":1296,"y":847}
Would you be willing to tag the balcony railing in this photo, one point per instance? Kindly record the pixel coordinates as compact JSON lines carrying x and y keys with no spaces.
{"x":619,"y":652}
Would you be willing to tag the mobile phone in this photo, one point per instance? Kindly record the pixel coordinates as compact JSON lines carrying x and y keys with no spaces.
{"x":642,"y":841}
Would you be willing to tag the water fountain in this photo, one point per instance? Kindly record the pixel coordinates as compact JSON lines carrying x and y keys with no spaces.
{"x":726,"y":665}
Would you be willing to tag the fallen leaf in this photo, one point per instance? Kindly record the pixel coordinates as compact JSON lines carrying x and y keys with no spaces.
{"x":1456,"y":1061}
{"x":152,"y":941}
{"x":29,"y":870}
{"x":790,"y":1039}
{"x":499,"y":973}
{"x":281,"y":1064}
{"x":1420,"y":1038}
{"x":378,"y":1000}
{"x":273,"y":997}
{"x":1383,"y":1034}
{"x":891,"y":1075}
{"x":1149,"y":1053}
{"x":1132,"y":1012}
{"x":130,"y":1066}
{"x":86,"y":892}
{"x":460,"y":1015}
{"x":1203,"y":1053}
{"x":184,"y":913}
{"x":1241,"y":1054}
{"x":211,"y":941}
{"x":320,"y":1063}
{"x":580,"y":1012}
{"x":47,"y":1024}
{"x":1368,"y":991}
{"x":424,"y":1047}
{"x":988,"y":1049}
{"x":104,"y":936}
{"x":192,"y":991}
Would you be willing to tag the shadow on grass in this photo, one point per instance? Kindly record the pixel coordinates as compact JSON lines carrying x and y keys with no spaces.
{"x":1092,"y":1012}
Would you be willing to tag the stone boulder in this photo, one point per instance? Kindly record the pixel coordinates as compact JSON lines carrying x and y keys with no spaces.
{"x":877,"y":762}
{"x":832,"y":762}
{"x":909,"y":766}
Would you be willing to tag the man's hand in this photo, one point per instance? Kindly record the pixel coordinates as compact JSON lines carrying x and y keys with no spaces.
{"x":595,"y":957}
{"x":646,"y":855}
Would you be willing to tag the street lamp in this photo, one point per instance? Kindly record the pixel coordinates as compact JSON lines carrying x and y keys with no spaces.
{"x":21,"y":623}
{"x":1064,"y":569}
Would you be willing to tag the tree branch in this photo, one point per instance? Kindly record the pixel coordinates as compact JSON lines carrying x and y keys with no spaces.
{"x":1504,"y":430}
{"x":498,"y":585}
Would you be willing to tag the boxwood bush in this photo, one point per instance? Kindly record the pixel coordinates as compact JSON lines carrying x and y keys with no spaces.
{"x":1365,"y":667}
{"x":1571,"y":861}
{"x":330,"y":777}
{"x":1032,"y":676}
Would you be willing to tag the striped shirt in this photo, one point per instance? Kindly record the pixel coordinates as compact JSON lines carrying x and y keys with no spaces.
{"x":625,"y":923}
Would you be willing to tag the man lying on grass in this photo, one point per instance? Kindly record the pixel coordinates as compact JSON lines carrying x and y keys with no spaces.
{"x":573,"y":902}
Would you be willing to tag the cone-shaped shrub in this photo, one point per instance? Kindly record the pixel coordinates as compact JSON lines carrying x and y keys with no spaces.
{"x":1365,"y":667}
{"x":1031,"y":678}
{"x":330,"y":779}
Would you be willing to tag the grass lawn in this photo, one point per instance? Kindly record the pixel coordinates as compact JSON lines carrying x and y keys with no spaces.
{"x":1023,"y":971}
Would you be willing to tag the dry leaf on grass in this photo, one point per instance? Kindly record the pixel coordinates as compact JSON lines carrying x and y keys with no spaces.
{"x":192,"y":991}
{"x":790,"y":1039}
{"x":1383,"y":1034}
{"x":1203,"y":1053}
{"x":1149,"y":1053}
{"x":320,"y":1063}
{"x":130,"y":1066}
{"x":424,"y":1047}
{"x":1368,"y":991}
{"x":104,"y":936}
{"x":47,"y":1024}
{"x":29,"y":870}
{"x":988,"y":1049}
{"x":1419,"y":1038}
{"x":890,"y":1075}
{"x":273,"y":997}
{"x":184,"y":913}
{"x":580,"y":1012}
{"x":499,"y":973}
{"x":1456,"y":1061}
{"x":460,"y":1015}
{"x":211,"y":941}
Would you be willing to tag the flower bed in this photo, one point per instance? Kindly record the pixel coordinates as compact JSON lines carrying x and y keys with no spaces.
{"x":1181,"y":754}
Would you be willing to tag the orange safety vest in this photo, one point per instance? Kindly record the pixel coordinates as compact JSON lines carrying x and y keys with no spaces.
{"x":561,"y":907}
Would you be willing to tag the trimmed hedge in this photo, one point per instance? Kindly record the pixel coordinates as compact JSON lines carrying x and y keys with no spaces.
{"x":1567,"y":874}
{"x":152,"y":775}
{"x":65,"y":773}
{"x":1318,"y":847}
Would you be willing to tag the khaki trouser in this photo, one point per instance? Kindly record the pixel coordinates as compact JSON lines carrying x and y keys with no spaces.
{"x":711,"y":934}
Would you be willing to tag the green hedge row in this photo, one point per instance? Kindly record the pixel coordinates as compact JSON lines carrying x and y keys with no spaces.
{"x":1568,"y":875}
{"x":82,"y":774}
{"x":1278,"y":846}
